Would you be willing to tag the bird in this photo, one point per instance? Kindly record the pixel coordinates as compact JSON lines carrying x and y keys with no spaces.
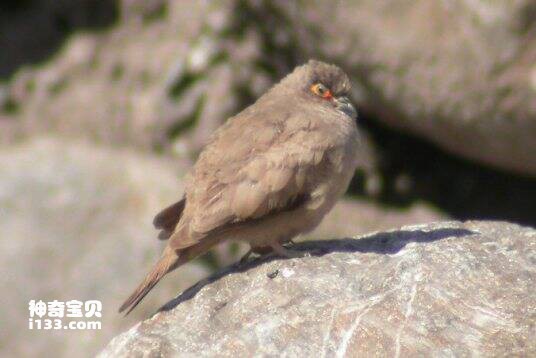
{"x":266,"y":175}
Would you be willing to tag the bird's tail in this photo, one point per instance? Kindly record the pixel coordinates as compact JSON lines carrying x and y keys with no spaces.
{"x":168,"y":262}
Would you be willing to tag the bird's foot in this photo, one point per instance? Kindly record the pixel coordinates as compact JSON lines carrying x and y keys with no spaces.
{"x":253,"y":254}
{"x":283,"y":251}
{"x":246,"y":257}
{"x":291,"y":243}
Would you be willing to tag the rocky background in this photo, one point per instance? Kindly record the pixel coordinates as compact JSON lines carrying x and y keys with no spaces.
{"x":105,"y":104}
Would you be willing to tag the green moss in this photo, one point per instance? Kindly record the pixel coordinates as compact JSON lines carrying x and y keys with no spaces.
{"x":118,"y":71}
{"x":30,"y":86}
{"x":58,"y":86}
{"x":218,"y":58}
{"x":185,"y":82}
{"x":158,"y":13}
{"x":145,"y":78}
{"x":189,"y":122}
{"x":10,"y":106}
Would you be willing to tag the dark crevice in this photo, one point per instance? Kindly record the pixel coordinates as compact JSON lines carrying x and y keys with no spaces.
{"x":277,"y":37}
{"x":157,"y":12}
{"x":10,"y":106}
{"x":462,"y":188}
{"x":185,"y":82}
{"x":31,"y":31}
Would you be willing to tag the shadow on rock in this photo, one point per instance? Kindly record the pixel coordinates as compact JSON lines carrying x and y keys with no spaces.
{"x":386,"y":243}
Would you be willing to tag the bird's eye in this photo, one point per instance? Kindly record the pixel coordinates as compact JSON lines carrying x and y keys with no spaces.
{"x":320,"y":90}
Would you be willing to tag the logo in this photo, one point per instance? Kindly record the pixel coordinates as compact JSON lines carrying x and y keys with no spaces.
{"x":64,"y":315}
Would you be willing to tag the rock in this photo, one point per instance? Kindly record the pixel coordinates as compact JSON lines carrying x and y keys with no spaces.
{"x":141,"y":83}
{"x":75,"y":223}
{"x":443,"y":289}
{"x":459,"y":73}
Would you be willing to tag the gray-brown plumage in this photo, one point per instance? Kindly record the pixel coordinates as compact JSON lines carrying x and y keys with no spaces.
{"x":268,"y":174}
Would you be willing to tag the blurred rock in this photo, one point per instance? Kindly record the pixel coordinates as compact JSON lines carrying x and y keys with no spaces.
{"x":445,"y":289}
{"x":142,"y":82}
{"x":75,"y":223}
{"x":164,"y":77}
{"x":460,"y":73}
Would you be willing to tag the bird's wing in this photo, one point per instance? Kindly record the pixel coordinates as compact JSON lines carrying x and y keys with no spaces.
{"x":249,"y":170}
{"x":167,"y":219}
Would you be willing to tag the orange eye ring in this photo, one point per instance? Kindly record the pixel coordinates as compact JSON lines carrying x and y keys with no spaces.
{"x":320,"y":90}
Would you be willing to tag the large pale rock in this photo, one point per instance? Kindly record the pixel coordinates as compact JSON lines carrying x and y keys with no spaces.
{"x":444,"y":289}
{"x":460,"y":73}
{"x":75,"y":223}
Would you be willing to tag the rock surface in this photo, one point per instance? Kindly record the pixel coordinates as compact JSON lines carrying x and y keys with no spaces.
{"x":444,"y":289}
{"x":461,"y":73}
{"x":75,"y":223}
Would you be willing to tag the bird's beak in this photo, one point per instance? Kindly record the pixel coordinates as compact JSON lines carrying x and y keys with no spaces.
{"x":344,"y":105}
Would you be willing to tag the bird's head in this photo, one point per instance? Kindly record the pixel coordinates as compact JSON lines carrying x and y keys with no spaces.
{"x":324,"y":84}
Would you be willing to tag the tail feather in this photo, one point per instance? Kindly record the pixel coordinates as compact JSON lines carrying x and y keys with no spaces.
{"x":167,"y":262}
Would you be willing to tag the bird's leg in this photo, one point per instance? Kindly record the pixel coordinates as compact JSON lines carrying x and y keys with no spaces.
{"x":246,"y":256}
{"x":291,"y":242}
{"x":257,"y":250}
{"x":282,"y":251}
